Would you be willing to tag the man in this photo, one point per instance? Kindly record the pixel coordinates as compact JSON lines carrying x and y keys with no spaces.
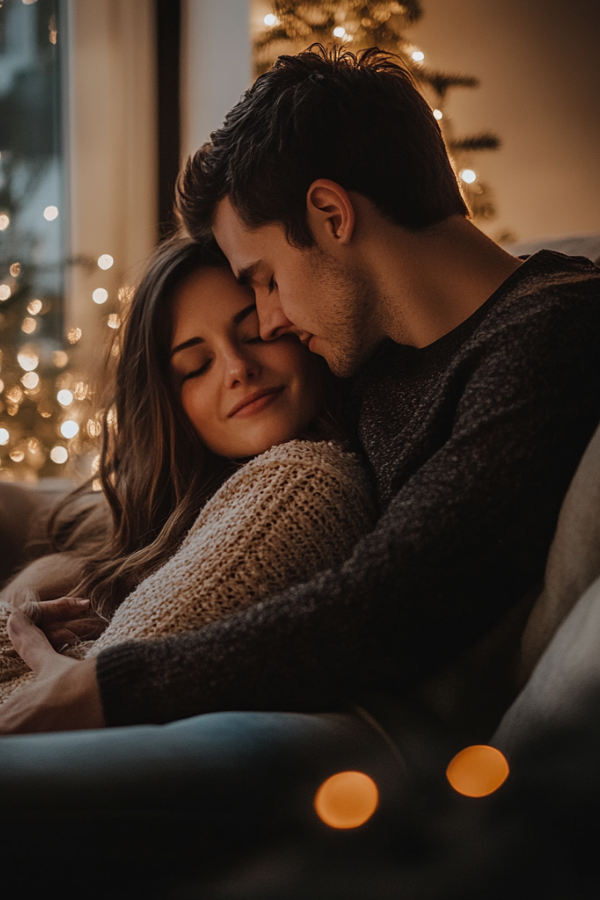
{"x":476,"y":386}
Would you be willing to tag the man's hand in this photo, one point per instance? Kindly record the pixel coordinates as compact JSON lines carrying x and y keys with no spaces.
{"x":64,"y":695}
{"x":63,"y":621}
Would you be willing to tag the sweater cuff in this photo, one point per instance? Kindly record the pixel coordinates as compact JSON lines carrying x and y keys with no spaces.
{"x":120,"y":670}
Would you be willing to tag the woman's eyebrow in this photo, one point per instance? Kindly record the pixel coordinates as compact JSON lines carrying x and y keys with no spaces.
{"x":192,"y":342}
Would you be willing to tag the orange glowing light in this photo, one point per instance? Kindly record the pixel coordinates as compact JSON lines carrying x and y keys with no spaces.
{"x":477,"y":771}
{"x":347,"y":800}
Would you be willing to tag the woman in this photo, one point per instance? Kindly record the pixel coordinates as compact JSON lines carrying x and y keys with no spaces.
{"x":218,"y":467}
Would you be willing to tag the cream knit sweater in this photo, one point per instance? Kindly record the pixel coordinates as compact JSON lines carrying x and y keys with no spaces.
{"x":287,"y":514}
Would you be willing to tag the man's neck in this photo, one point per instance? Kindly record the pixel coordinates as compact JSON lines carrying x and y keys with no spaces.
{"x":430,"y":281}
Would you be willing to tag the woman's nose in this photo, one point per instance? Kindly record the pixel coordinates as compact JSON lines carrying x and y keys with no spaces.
{"x":240,"y":367}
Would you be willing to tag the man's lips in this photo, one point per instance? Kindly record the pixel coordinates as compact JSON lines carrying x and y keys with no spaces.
{"x":252,"y":399}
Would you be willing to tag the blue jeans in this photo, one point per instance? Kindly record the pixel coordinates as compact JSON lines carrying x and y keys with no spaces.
{"x":137,"y":796}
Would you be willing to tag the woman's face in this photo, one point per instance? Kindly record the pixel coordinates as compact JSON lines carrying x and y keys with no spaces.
{"x":242,"y":395}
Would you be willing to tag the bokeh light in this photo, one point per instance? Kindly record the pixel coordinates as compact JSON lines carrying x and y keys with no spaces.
{"x":51,"y":213}
{"x":64,"y":397}
{"x":4,"y":437}
{"x":100,"y":295}
{"x":270,"y":20}
{"x":468,"y":176}
{"x":28,"y":360}
{"x":477,"y":771}
{"x":339,"y":31}
{"x":59,"y":454}
{"x":347,"y":800}
{"x":5,"y":292}
{"x":28,"y":325}
{"x":69,"y":428}
{"x":60,"y":359}
{"x":73,"y":335}
{"x":418,"y":56}
{"x":34,"y":307}
{"x":30,"y":380}
{"x":105,"y":261}
{"x":15,"y":270}
{"x":438,"y":114}
{"x":4,"y":222}
{"x":113,"y":321}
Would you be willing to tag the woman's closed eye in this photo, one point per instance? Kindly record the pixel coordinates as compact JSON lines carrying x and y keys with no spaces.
{"x":199,"y":371}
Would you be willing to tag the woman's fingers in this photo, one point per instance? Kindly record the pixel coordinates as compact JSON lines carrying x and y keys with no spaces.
{"x":29,"y":642}
{"x":62,"y":610}
{"x":61,"y":633}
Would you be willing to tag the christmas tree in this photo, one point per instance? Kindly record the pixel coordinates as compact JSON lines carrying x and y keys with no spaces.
{"x":293,"y":25}
{"x":48,"y":421}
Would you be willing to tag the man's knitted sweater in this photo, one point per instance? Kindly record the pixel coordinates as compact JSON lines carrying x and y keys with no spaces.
{"x":471,"y":442}
{"x":281,"y":518}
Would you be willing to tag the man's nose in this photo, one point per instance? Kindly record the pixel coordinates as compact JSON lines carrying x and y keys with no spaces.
{"x":272,"y":320}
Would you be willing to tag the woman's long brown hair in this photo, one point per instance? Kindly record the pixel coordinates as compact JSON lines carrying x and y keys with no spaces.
{"x":155,"y":471}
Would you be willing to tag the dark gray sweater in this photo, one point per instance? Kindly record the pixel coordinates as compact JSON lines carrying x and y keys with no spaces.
{"x":471,"y":443}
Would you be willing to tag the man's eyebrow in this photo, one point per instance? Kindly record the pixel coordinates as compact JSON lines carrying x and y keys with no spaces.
{"x":246,"y":274}
{"x":237,"y":319}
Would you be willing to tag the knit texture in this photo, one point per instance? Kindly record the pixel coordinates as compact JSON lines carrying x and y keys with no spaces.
{"x":471,"y":444}
{"x":284,"y":516}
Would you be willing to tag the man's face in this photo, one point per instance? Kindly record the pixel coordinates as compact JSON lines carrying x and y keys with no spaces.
{"x":299,"y":291}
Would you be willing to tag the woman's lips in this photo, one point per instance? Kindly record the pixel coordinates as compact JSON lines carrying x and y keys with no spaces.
{"x":254,"y":402}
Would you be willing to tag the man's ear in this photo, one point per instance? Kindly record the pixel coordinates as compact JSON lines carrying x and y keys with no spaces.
{"x":330,"y":212}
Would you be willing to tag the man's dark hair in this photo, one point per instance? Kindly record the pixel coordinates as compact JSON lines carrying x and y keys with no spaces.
{"x":356,"y":119}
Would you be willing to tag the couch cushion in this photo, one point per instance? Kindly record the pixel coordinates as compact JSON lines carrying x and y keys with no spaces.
{"x":573,"y":562}
{"x":569,"y":668}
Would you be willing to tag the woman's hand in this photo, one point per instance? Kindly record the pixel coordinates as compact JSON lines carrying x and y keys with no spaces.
{"x":64,"y":620}
{"x":64,"y":695}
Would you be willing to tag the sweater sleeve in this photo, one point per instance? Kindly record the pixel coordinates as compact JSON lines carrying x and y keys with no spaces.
{"x":283,"y":517}
{"x":462,"y":539}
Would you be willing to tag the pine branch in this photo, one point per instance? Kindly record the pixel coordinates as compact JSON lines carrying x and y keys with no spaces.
{"x":441,"y":82}
{"x":487,"y":140}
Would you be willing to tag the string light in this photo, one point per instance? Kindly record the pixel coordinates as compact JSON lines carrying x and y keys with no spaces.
{"x":34,"y":307}
{"x":59,"y":454}
{"x":30,"y":380}
{"x":4,"y":222}
{"x":100,"y":295}
{"x":28,"y":360}
{"x":5,"y":292}
{"x":468,"y":176}
{"x":73,"y":335}
{"x":105,"y":261}
{"x":64,"y":397}
{"x":51,"y":213}
{"x":28,"y":325}
{"x":69,"y":428}
{"x":60,"y":358}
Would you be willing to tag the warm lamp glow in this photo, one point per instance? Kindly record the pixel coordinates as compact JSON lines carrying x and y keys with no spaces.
{"x":477,"y":771}
{"x":347,"y":800}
